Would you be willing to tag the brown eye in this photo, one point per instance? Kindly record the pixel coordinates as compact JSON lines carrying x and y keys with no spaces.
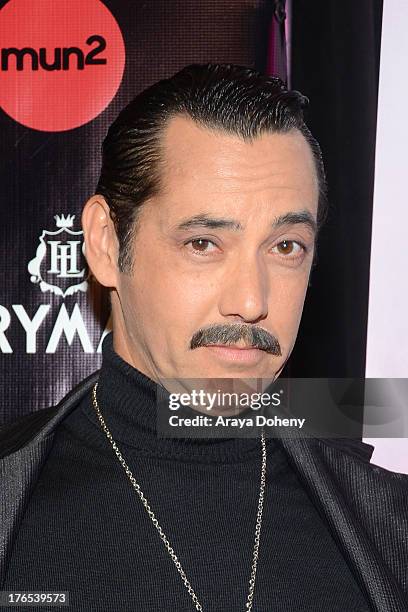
{"x":290,"y":249}
{"x":285,"y":247}
{"x":200,"y":244}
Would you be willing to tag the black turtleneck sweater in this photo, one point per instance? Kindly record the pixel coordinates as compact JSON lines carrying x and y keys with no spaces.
{"x":86,"y":531}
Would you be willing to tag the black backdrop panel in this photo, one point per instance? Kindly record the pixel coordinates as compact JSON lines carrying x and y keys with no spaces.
{"x":335,"y":62}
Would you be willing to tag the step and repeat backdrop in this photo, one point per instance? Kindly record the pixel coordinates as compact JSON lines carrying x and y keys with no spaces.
{"x":66,"y":70}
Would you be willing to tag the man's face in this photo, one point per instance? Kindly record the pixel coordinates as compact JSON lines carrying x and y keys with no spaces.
{"x":210,"y":252}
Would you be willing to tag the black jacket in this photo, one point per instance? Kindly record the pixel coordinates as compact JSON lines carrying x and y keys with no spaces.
{"x":365,"y":506}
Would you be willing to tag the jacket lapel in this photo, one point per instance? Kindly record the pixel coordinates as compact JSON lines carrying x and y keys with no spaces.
{"x":365,"y":508}
{"x":22,"y":459}
{"x":18,"y":474}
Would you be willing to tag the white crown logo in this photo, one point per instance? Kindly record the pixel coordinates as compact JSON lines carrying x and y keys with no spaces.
{"x":57,"y":264}
{"x":62,"y":221}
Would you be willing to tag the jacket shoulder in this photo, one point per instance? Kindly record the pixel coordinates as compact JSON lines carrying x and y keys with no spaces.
{"x":19,"y":432}
{"x":357,"y":455}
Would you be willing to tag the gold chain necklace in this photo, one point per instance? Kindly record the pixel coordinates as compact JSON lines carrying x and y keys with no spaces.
{"x":155,"y":522}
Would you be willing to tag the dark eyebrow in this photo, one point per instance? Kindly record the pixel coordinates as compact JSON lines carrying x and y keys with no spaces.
{"x":292,"y":218}
{"x":204,"y":220}
{"x":289,"y":218}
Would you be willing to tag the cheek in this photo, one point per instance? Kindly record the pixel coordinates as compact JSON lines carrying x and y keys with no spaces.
{"x":286,"y":304}
{"x":163,"y":278}
{"x":169,"y":301}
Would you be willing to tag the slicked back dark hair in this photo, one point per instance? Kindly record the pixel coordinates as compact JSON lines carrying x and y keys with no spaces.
{"x":233,"y":99}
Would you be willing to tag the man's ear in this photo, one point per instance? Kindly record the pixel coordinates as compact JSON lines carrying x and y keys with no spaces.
{"x":101,"y":243}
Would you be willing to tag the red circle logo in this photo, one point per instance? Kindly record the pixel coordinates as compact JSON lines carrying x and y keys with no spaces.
{"x":61,"y":62}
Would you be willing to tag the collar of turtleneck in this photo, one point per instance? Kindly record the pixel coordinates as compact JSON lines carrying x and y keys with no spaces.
{"x":127,"y":401}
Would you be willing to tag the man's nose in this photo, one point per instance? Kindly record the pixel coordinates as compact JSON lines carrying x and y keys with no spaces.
{"x":244,"y":292}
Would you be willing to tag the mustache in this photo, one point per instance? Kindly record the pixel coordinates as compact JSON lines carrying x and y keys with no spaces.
{"x":254,"y":337}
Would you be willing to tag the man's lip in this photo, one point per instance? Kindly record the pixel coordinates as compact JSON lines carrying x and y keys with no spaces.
{"x":235,"y":347}
{"x":236,"y":354}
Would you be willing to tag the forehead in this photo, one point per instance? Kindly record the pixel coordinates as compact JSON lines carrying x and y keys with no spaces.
{"x":196,"y":157}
